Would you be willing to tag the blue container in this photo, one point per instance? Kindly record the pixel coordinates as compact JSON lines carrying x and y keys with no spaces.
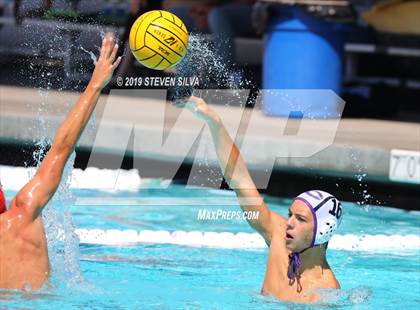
{"x":302,"y":52}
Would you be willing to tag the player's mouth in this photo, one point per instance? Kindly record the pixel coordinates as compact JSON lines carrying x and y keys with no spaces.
{"x":288,"y":236}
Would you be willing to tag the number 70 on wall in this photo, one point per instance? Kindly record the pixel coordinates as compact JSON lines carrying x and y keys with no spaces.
{"x":404,"y":166}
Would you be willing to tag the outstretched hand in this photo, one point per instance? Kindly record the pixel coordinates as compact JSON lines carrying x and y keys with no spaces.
{"x":199,"y":108}
{"x":106,"y":63}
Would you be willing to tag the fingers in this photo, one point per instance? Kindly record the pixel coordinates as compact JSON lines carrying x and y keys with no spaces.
{"x":192,"y":103}
{"x":103,"y":47}
{"x":114,"y":52}
{"x":108,"y":46}
{"x":195,"y":99}
{"x":116,"y":63}
{"x":192,"y":106}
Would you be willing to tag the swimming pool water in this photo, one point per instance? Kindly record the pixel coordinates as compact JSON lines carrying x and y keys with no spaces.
{"x":168,"y":276}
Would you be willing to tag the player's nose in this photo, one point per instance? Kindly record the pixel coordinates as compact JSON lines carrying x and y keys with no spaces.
{"x":290,"y":223}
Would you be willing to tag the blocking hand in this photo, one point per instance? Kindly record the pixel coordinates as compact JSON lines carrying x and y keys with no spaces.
{"x":199,"y":108}
{"x":106,"y":63}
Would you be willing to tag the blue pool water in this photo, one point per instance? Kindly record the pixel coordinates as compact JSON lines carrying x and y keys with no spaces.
{"x":170,"y":276}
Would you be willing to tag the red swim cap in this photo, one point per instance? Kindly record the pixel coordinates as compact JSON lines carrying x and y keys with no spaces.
{"x":2,"y":201}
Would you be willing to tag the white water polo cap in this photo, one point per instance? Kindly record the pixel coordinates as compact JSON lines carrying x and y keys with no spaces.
{"x":327,"y":212}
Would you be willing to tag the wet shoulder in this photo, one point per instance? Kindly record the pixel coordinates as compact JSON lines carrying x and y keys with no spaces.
{"x":329,"y":281}
{"x":15,"y":221}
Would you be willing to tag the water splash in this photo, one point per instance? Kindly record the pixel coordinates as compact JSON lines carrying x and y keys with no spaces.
{"x":202,"y":61}
{"x":350,"y":297}
{"x":329,"y":298}
{"x":93,"y":57}
{"x":63,"y":243}
{"x":362,"y":190}
{"x":214,"y":74}
{"x":63,"y":248}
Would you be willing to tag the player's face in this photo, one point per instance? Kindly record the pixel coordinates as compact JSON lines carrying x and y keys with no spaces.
{"x":300,"y":227}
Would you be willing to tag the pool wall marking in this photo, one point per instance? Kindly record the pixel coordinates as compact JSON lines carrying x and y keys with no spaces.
{"x":404,"y":166}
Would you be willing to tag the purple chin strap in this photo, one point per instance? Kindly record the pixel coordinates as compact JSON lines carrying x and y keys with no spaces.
{"x":294,"y":266}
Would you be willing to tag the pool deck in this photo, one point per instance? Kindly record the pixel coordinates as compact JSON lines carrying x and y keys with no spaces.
{"x":360,"y":146}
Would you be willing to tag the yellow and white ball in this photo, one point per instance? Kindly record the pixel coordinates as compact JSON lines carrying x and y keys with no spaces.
{"x":158,"y":39}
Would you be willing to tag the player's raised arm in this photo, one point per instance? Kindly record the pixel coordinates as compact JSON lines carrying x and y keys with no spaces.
{"x":234,"y":169}
{"x":32,"y":198}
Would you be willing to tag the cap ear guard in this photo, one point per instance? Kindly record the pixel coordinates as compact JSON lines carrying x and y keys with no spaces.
{"x":327,"y":228}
